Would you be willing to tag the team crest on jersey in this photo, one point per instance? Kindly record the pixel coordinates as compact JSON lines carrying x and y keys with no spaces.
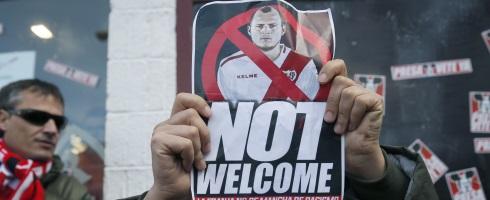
{"x":434,"y":165}
{"x":465,"y":185}
{"x":480,"y":111}
{"x":291,"y":74}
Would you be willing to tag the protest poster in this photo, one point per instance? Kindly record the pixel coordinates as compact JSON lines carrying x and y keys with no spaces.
{"x":434,"y":164}
{"x":431,"y":69}
{"x":479,"y":111}
{"x":71,"y":73}
{"x":256,"y":63}
{"x":372,"y":82}
{"x":481,"y":145}
{"x":486,"y":38}
{"x":465,"y":184}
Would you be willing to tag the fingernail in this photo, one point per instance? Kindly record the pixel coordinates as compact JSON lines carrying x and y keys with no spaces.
{"x":329,"y":116}
{"x":338,"y":128}
{"x":207,"y":148}
{"x":322,"y":78}
{"x":207,"y":111}
{"x":202,"y":166}
{"x":351,"y":127}
{"x":188,"y":167}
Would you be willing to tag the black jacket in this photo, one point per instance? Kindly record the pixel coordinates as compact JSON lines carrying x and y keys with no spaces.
{"x":405,"y":178}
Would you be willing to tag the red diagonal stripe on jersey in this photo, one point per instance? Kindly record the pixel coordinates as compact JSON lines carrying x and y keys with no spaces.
{"x":229,"y":30}
{"x":279,"y":80}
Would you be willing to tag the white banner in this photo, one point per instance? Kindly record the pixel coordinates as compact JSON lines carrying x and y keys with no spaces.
{"x":431,"y":69}
{"x":71,"y":73}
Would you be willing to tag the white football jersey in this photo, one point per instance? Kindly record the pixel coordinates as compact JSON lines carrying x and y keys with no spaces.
{"x":240,"y":79}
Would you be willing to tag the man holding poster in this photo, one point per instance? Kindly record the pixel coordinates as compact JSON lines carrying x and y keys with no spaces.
{"x":267,"y":136}
{"x":180,"y":143}
{"x":235,"y":141}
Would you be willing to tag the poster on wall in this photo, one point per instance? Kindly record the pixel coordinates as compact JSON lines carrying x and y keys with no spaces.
{"x":434,"y":164}
{"x":486,"y":38}
{"x":256,"y":63}
{"x":71,"y":73}
{"x":479,"y":111}
{"x":16,"y":66}
{"x":431,"y":69}
{"x":482,"y":145}
{"x":374,"y":83}
{"x":465,"y":184}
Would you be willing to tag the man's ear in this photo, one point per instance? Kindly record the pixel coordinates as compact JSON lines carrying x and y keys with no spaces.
{"x":3,"y":119}
{"x":249,"y":30}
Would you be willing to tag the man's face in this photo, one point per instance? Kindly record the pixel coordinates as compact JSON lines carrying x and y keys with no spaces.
{"x":31,"y":141}
{"x":266,"y":29}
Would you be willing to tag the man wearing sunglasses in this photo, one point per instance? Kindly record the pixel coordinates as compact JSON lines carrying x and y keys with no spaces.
{"x":31,"y":120}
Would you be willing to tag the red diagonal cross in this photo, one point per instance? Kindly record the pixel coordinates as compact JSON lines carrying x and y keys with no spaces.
{"x":229,"y":30}
{"x":279,"y":80}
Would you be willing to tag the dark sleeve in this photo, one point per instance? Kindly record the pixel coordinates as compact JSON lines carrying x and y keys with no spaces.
{"x":393,"y":184}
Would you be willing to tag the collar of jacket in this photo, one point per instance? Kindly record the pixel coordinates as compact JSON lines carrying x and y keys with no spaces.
{"x":55,"y":171}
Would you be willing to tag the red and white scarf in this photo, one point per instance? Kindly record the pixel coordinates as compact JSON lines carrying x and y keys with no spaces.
{"x":20,"y":177}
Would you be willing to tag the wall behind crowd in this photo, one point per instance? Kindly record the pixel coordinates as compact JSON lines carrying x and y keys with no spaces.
{"x":371,"y":36}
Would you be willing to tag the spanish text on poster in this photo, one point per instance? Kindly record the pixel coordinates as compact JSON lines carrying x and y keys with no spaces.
{"x":431,"y":69}
{"x":257,"y":63}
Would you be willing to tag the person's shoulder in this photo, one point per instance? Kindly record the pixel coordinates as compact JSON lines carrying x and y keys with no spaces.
{"x":59,"y":185}
{"x":66,"y":187}
{"x":238,"y":56}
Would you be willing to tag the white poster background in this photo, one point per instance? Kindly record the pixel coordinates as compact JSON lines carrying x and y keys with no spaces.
{"x":16,"y":66}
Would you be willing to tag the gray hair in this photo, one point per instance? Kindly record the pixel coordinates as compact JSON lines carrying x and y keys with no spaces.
{"x":10,"y":94}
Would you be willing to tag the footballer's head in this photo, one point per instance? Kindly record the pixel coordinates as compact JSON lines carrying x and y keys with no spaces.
{"x":266,"y":28}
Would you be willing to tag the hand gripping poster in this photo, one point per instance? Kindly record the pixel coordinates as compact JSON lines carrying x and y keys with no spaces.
{"x":256,"y":63}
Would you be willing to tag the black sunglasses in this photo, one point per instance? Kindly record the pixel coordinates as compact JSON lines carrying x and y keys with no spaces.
{"x":40,"y":118}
